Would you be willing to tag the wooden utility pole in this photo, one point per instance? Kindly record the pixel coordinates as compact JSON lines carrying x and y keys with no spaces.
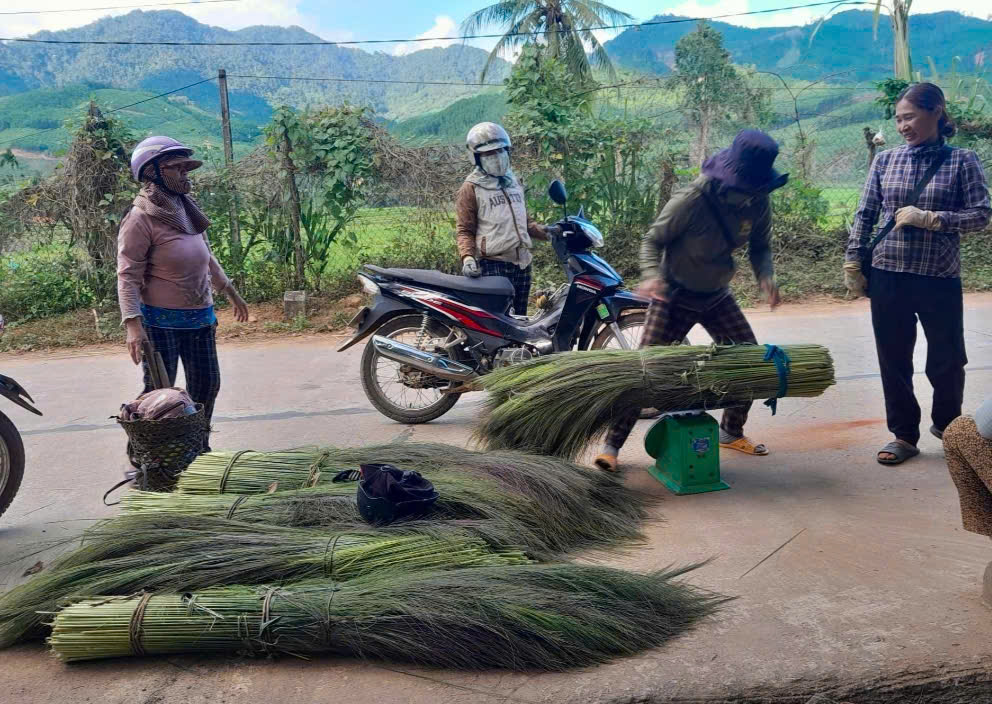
{"x":294,"y":204}
{"x":225,"y":121}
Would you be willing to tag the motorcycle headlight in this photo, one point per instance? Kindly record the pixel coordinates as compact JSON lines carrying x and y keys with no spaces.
{"x":368,"y":285}
{"x":593,"y":233}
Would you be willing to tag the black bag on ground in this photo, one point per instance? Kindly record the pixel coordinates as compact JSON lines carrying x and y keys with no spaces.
{"x":387,"y":493}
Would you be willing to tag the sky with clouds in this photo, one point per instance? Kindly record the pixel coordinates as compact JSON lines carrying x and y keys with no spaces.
{"x":387,"y":19}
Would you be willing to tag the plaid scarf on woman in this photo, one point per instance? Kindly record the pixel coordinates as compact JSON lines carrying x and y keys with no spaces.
{"x":179,"y":211}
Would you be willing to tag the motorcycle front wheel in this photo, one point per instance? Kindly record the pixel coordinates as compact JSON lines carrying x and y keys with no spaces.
{"x":405,"y":395}
{"x":11,"y":462}
{"x":631,"y":327}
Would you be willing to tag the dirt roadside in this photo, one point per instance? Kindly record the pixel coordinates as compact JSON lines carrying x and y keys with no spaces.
{"x":89,"y":332}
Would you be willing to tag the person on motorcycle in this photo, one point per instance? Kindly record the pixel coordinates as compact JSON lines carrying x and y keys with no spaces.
{"x":493,"y":232}
{"x":165,"y":270}
{"x":687,"y":263}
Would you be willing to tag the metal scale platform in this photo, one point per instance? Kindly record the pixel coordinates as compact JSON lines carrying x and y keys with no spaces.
{"x":686,"y":448}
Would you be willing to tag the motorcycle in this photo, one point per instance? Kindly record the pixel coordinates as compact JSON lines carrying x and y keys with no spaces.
{"x":433,"y":333}
{"x":11,"y":447}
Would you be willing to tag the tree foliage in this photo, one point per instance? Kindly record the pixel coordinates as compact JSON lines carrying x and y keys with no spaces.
{"x":563,"y":27}
{"x":606,"y":162}
{"x":713,"y":93}
{"x":87,"y":195}
{"x":327,"y":156}
{"x":966,"y":105}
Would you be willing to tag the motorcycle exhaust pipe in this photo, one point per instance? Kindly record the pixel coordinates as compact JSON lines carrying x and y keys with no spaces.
{"x":427,"y":362}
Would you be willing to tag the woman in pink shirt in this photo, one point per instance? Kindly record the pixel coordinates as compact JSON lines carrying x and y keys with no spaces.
{"x":165,"y":271}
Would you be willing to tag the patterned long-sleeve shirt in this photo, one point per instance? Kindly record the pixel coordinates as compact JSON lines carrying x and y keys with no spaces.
{"x":958,"y":193}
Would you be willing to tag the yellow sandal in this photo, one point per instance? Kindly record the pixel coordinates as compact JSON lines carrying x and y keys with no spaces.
{"x":745,"y":445}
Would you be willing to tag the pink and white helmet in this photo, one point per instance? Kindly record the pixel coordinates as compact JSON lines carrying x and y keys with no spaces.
{"x":153,"y":147}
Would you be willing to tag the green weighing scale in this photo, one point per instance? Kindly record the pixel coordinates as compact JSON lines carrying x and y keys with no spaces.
{"x":686,"y":444}
{"x":686,"y":448}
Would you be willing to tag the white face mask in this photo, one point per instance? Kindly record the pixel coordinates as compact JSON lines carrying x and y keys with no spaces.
{"x":496,"y":164}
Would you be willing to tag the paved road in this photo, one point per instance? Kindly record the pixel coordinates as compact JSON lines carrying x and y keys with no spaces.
{"x":878,"y":575}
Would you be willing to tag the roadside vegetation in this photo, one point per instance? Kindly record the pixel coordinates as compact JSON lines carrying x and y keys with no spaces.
{"x":375,"y":191}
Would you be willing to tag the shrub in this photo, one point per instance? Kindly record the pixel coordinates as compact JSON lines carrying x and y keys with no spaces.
{"x":48,"y":280}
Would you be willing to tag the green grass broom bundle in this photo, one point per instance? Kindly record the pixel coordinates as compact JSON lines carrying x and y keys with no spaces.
{"x":563,"y":506}
{"x":557,"y":405}
{"x":538,"y":617}
{"x":173,"y":552}
{"x":499,"y":518}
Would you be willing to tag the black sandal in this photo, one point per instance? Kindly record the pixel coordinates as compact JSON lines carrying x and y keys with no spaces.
{"x":900,"y":449}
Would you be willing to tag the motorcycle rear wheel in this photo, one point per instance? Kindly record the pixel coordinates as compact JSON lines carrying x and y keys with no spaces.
{"x":377,"y":370}
{"x":11,"y":462}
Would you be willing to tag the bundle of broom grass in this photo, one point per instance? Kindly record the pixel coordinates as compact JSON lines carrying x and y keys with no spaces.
{"x":557,"y":405}
{"x":544,"y":617}
{"x":501,"y":520}
{"x":248,"y":472}
{"x":175,"y":552}
{"x":559,"y":506}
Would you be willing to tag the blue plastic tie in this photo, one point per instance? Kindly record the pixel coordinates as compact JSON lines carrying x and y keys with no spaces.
{"x":774,"y":353}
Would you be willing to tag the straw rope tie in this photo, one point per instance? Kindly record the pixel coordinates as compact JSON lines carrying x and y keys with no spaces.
{"x":332,"y":545}
{"x":134,"y":630}
{"x":267,"y":619}
{"x":234,"y":507}
{"x":229,"y":467}
{"x":315,"y":471}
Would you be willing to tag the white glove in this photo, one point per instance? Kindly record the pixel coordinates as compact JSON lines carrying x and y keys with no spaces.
{"x":470,"y":267}
{"x":914,"y":217}
{"x":855,"y":281}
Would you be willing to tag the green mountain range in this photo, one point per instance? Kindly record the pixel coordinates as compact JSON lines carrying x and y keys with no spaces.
{"x":844,"y":44}
{"x":41,"y":85}
{"x":33,"y":66}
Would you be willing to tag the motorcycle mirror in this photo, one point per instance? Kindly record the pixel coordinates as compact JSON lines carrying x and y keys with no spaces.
{"x":557,"y":192}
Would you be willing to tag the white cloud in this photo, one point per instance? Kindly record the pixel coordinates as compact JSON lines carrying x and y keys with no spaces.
{"x":444,"y":26}
{"x":244,"y":13}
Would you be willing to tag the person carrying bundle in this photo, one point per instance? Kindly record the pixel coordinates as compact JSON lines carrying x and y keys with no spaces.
{"x":687,"y":263}
{"x":165,"y":271}
{"x":493,"y":231}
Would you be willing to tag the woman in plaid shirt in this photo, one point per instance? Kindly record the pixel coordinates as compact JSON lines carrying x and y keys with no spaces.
{"x":916,"y":269}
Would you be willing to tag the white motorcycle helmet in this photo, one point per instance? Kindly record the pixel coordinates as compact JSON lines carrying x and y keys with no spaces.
{"x":489,"y":137}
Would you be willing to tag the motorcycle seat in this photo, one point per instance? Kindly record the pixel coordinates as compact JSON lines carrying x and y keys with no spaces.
{"x":482,"y":286}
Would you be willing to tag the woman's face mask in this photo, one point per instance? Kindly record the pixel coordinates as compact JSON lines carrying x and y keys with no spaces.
{"x":176,"y":177}
{"x":495,"y":163}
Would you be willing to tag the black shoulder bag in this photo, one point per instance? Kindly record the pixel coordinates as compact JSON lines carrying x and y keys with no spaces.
{"x":865,"y":252}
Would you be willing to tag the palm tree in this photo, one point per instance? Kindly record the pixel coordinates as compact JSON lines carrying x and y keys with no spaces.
{"x":902,"y":63}
{"x":566,"y":26}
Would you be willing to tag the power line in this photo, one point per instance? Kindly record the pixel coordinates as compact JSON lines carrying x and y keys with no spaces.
{"x":113,"y":110}
{"x":351,"y":42}
{"x":360,"y":80}
{"x":113,"y":7}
